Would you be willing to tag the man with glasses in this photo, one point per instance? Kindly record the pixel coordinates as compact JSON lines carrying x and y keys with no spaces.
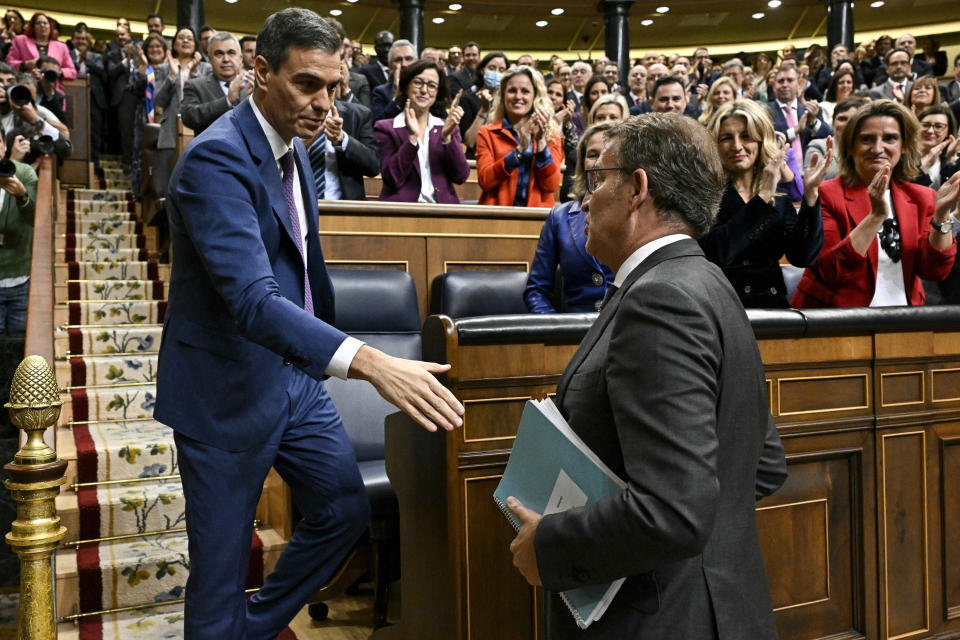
{"x":898,"y":77}
{"x":402,"y":55}
{"x":454,"y":59}
{"x":580,"y":73}
{"x":668,"y":389}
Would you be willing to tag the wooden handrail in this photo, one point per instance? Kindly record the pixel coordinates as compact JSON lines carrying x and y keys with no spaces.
{"x":39,"y":340}
{"x":420,"y":210}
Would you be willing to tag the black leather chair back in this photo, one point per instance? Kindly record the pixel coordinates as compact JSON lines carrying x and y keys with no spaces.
{"x":380,"y":308}
{"x":465,"y":294}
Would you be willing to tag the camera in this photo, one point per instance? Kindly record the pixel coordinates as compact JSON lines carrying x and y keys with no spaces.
{"x":18,"y":95}
{"x":7,"y":168}
{"x":41,"y":145}
{"x":51,"y":76}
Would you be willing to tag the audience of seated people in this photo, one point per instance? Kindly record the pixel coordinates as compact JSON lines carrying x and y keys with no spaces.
{"x":415,"y":118}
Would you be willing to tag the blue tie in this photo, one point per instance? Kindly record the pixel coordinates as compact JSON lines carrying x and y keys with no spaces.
{"x":318,"y":160}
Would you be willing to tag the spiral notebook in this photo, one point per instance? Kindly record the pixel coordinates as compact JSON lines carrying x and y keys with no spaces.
{"x":551,"y":470}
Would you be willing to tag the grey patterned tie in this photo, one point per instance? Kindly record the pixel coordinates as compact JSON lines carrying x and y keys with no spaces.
{"x":287,"y":163}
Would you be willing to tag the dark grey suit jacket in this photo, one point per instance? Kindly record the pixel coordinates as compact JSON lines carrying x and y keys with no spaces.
{"x":168,"y":96}
{"x":950,"y":93}
{"x":668,"y":389}
{"x":203,"y":102}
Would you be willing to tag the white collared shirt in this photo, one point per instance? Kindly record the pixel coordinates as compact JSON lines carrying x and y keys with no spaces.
{"x":339,"y":364}
{"x":427,"y":190}
{"x":644,"y":252}
{"x":890,"y":289}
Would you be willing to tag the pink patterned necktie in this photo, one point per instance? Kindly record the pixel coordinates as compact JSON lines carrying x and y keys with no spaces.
{"x":792,"y":123}
{"x":286,"y":161}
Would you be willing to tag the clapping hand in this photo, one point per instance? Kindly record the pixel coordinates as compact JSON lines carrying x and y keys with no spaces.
{"x":897,"y":93}
{"x":486,"y":99}
{"x":453,"y":119}
{"x":814,"y":174}
{"x":771,"y":175}
{"x":877,"y":189}
{"x":565,"y":113}
{"x":538,"y":125}
{"x":809,"y":118}
{"x":947,"y":198}
{"x":413,"y":125}
{"x":333,"y":126}
{"x":930,"y":157}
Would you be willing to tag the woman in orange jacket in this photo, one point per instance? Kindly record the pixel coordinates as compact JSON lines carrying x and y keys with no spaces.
{"x":520,"y":153}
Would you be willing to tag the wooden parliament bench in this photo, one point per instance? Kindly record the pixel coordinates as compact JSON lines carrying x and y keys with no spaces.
{"x":863,"y":540}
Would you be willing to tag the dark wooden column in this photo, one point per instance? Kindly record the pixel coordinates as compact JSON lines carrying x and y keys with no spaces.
{"x":190,"y":14}
{"x":616,"y":16}
{"x":839,"y":24}
{"x":411,"y":22}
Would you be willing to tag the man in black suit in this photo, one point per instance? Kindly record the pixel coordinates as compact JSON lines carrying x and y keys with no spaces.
{"x":90,"y":64}
{"x":120,"y":62}
{"x":950,"y":91}
{"x":378,"y":71}
{"x":402,"y":54}
{"x":668,"y":389}
{"x":873,"y":72}
{"x":463,"y":78}
{"x":207,"y":97}
{"x":343,"y":152}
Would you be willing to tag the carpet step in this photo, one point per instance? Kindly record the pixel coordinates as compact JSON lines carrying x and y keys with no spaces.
{"x":111,"y":270}
{"x":108,"y":340}
{"x":106,"y":370}
{"x":142,"y":624}
{"x":99,"y":289}
{"x":133,"y":450}
{"x":101,"y":241}
{"x":109,"y":313}
{"x":97,"y":254}
{"x":106,"y":195}
{"x":100,"y":225}
{"x":116,"y":510}
{"x":132,"y":402}
{"x":96,"y":210}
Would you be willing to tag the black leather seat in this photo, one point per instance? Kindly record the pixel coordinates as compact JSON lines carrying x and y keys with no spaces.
{"x":465,"y":294}
{"x":380,"y":308}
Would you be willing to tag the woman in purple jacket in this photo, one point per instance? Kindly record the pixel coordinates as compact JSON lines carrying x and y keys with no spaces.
{"x":421,"y":153}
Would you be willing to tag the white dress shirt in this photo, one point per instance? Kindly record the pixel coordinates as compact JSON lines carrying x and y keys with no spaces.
{"x":890,"y":290}
{"x":641,"y":254}
{"x":339,"y":364}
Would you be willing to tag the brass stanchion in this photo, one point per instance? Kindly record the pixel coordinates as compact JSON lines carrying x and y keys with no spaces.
{"x":35,"y":478}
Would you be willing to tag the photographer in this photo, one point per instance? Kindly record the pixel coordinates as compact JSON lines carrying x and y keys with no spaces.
{"x":23,"y":104}
{"x":18,"y":196}
{"x":47,"y":74}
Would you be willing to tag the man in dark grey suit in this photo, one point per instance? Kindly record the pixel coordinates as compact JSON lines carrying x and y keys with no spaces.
{"x":668,"y":389}
{"x":207,"y":97}
{"x":344,"y":152}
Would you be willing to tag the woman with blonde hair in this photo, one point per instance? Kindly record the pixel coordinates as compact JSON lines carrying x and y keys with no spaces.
{"x":755,"y":225}
{"x":520,"y":153}
{"x":612,"y":107}
{"x":563,"y":244}
{"x":882,"y":234}
{"x":722,"y":91}
{"x":922,"y":94}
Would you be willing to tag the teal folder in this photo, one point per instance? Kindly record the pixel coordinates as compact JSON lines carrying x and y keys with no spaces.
{"x":552,"y":470}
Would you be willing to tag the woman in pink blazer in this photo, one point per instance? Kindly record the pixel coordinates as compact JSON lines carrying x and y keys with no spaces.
{"x":40,"y":38}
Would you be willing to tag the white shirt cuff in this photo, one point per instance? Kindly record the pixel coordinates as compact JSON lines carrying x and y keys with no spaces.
{"x":816,"y":125}
{"x":339,"y":364}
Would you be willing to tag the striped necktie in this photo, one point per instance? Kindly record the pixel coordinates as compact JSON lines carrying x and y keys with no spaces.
{"x":318,"y":160}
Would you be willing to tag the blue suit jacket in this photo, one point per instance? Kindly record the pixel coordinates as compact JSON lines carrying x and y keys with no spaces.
{"x":235,"y":319}
{"x":563,"y":242}
{"x":384,"y":105}
{"x":780,"y":124}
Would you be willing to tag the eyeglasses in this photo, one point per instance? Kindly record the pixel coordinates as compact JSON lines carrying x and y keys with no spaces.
{"x":593,"y":177}
{"x":939,"y":127}
{"x":419,"y":83}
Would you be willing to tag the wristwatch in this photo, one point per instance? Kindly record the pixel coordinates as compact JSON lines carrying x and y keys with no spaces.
{"x":943,"y":227}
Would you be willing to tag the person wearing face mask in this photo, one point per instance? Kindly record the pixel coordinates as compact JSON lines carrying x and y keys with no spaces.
{"x":562,"y":245}
{"x":520,"y":153}
{"x":477,"y":99}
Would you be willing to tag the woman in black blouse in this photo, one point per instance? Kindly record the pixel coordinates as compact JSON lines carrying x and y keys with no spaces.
{"x":755,"y":225}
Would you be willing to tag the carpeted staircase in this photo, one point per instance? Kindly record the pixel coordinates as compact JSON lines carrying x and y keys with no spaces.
{"x":126,"y":548}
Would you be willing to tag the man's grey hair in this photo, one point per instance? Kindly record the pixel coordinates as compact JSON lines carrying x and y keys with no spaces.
{"x":295,"y":27}
{"x":733,"y":62}
{"x":396,"y":45}
{"x":684,"y":174}
{"x":220,"y":36}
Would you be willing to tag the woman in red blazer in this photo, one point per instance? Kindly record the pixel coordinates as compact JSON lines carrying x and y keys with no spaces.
{"x":40,"y":38}
{"x":520,"y":153}
{"x":881,"y":233}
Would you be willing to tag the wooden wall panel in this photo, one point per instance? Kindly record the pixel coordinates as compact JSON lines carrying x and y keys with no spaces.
{"x":823,"y":394}
{"x":949,"y":453}
{"x":492,"y":421}
{"x":945,"y":385}
{"x":814,"y":539}
{"x":904,"y":598}
{"x":495,"y":591}
{"x":461,"y":254}
{"x":902,"y":388}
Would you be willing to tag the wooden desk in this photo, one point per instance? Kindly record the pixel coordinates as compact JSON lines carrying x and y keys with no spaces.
{"x":427,"y":240}
{"x":863,"y":540}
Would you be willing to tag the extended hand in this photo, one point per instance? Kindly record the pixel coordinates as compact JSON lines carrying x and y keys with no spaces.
{"x":947,"y":198}
{"x":410,"y":386}
{"x":524,"y":552}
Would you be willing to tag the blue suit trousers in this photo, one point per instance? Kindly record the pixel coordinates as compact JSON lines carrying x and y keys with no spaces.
{"x":310,"y":450}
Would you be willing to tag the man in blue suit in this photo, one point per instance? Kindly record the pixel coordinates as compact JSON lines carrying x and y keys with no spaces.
{"x":800,"y":121}
{"x":249,"y":337}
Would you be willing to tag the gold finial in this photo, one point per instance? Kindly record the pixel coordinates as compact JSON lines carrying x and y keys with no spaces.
{"x":34,"y":406}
